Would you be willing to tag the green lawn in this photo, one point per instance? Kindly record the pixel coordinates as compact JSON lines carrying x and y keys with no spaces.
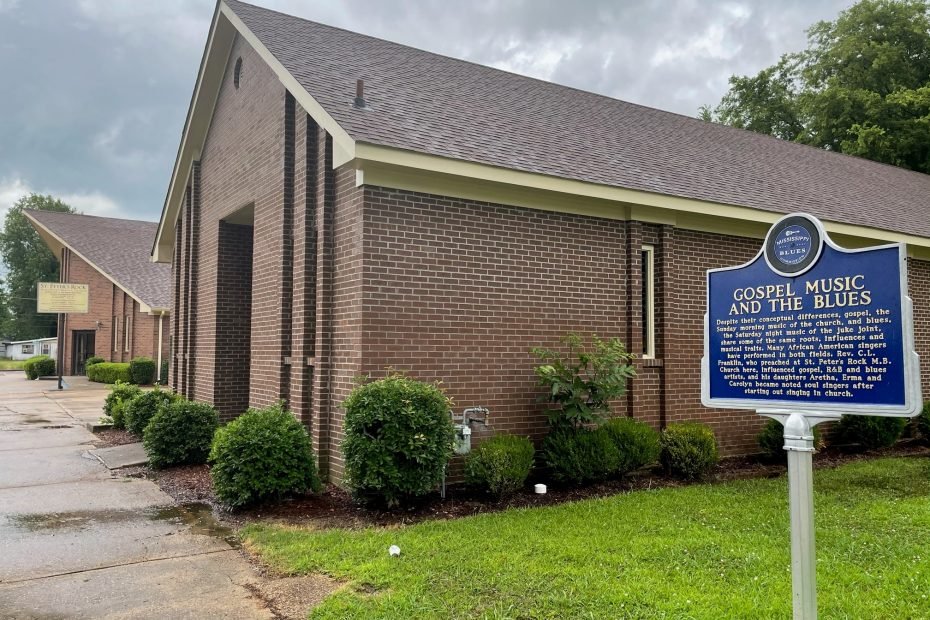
{"x":703,"y":551}
{"x":11,"y":364}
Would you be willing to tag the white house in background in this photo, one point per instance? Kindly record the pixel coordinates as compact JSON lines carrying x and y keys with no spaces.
{"x":24,"y":349}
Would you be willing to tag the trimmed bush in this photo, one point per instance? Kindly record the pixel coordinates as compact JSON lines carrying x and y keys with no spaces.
{"x":109,"y":372}
{"x":870,"y":432}
{"x":180,"y":433}
{"x":115,"y":404}
{"x":500,"y":465}
{"x":90,"y":361}
{"x":398,"y":439}
{"x":772,"y":440}
{"x":142,"y":370}
{"x":689,"y":450}
{"x":580,"y":455}
{"x":262,"y":454}
{"x":140,"y":410}
{"x":637,"y":443}
{"x":923,"y":422}
{"x":39,"y":366}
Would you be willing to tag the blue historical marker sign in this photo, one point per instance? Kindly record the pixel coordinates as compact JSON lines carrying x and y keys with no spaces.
{"x":809,"y":326}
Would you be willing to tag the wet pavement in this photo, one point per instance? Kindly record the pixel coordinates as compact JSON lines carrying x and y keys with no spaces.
{"x":79,"y":542}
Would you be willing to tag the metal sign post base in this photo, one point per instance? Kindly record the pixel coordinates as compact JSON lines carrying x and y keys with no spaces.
{"x":799,"y":442}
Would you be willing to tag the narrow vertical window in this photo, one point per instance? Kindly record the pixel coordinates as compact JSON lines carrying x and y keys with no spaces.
{"x":115,"y":333}
{"x":649,"y":311}
{"x":127,"y":321}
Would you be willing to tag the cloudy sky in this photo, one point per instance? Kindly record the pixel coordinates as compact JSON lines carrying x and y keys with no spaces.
{"x":95,"y":91}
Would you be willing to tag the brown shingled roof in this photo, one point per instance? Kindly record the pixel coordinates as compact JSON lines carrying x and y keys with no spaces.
{"x":118,"y":248}
{"x":424,"y":102}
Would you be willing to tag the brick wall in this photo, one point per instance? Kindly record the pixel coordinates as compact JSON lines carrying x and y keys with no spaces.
{"x":105,"y":300}
{"x":919,"y":288}
{"x":460,"y":291}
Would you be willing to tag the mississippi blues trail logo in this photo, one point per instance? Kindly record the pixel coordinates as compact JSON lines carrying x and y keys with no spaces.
{"x":793,"y":245}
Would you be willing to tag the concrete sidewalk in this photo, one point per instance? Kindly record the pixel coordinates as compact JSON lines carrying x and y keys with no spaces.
{"x":77,"y":542}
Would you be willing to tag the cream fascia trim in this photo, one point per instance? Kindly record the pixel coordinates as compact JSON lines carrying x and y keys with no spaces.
{"x":55,"y":243}
{"x":402,"y":169}
{"x":649,"y":290}
{"x":213,"y":68}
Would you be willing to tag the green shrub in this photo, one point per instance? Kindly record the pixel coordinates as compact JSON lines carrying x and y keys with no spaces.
{"x":582,"y":383}
{"x":180,"y":433}
{"x":500,"y":465}
{"x":39,"y":366}
{"x":262,"y":454}
{"x":140,"y":410}
{"x":580,"y":455}
{"x":923,"y":422}
{"x":109,"y":372}
{"x":689,"y":450}
{"x":637,"y":443}
{"x":115,"y":404}
{"x":772,"y":440}
{"x":398,"y":439}
{"x":142,"y":370}
{"x":870,"y":432}
{"x":90,"y":361}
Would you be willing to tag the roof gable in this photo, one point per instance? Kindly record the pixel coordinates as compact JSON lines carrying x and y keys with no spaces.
{"x":117,"y":248}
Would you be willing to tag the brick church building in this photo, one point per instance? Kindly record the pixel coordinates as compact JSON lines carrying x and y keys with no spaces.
{"x":341,"y":205}
{"x":129,"y":297}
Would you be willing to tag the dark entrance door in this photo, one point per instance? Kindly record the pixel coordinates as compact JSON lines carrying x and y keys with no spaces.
{"x":82,"y":348}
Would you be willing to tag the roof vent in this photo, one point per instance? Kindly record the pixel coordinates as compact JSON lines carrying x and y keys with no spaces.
{"x":360,"y":102}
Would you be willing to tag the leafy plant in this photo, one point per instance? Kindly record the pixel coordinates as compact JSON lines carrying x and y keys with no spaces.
{"x":115,"y":403}
{"x":500,"y":465}
{"x":637,"y":443}
{"x":772,"y":440}
{"x":580,"y":455}
{"x":39,"y":366}
{"x":142,"y":370}
{"x":90,"y":361}
{"x":582,"y":382}
{"x":109,"y":372}
{"x":262,"y":454}
{"x":398,"y":439}
{"x":870,"y":432}
{"x":180,"y":433}
{"x":140,"y":410}
{"x":689,"y":450}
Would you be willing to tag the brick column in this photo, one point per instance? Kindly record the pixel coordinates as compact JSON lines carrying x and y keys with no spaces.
{"x":286,"y":294}
{"x":634,"y":288}
{"x":174,"y":359}
{"x":193,"y":252}
{"x":305,"y":255}
{"x":322,"y":371}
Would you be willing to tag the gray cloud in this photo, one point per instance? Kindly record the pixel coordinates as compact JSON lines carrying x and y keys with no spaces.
{"x":97,"y":90}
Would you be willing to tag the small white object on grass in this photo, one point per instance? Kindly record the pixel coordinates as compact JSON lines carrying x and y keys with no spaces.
{"x":540,"y":489}
{"x":394,"y":551}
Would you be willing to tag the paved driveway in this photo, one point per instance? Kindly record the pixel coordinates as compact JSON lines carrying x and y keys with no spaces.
{"x":77,"y":542}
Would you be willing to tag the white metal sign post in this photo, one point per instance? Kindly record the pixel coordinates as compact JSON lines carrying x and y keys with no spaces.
{"x":805,"y":333}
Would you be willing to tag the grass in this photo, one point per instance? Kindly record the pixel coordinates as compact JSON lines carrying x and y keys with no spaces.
{"x":11,"y":364}
{"x":702,"y":551}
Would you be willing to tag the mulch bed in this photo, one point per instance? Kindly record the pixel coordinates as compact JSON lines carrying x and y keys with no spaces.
{"x":334,"y":507}
{"x":110,"y":437}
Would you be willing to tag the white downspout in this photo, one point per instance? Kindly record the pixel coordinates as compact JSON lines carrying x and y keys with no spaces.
{"x":161,"y":315}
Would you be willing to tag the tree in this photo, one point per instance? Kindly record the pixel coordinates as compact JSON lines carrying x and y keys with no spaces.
{"x":28,"y":261}
{"x":861,"y":87}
